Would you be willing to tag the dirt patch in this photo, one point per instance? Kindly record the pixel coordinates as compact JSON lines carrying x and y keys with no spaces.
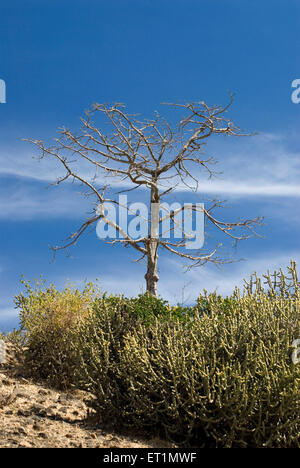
{"x":33,"y":415}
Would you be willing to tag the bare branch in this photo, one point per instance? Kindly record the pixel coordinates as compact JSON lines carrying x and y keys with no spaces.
{"x":151,"y":155}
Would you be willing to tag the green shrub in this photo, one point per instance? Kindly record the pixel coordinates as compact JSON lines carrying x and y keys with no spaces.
{"x":207,"y":303}
{"x":221,"y":378}
{"x":147,"y":308}
{"x":218,"y":374}
{"x":50,"y":320}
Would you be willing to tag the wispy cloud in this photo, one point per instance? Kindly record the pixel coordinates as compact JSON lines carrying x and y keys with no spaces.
{"x":20,"y":162}
{"x":30,"y":201}
{"x":248,"y":188}
{"x":177,"y":285}
{"x":263,"y":165}
{"x":7,"y":313}
{"x":223,"y":280}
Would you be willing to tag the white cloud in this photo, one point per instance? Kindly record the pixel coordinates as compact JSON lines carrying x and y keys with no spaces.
{"x":177,"y":286}
{"x":223,"y":279}
{"x":27,"y":202}
{"x":262,"y":165}
{"x":8,"y":313}
{"x":249,"y":188}
{"x":19,"y":162}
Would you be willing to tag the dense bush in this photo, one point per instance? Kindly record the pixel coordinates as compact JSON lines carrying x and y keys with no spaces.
{"x":50,"y":320}
{"x":218,"y":374}
{"x":222,"y":377}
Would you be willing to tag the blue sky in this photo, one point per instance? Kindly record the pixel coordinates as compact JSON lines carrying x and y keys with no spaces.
{"x":59,"y":57}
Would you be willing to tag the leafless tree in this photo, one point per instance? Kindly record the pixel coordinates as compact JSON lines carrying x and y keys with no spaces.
{"x":149,"y":154}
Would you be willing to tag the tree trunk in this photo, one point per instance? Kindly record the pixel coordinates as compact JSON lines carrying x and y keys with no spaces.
{"x":151,"y":276}
{"x":152,"y":246}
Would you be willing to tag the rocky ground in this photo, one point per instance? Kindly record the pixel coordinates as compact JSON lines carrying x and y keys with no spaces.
{"x":35,"y":416}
